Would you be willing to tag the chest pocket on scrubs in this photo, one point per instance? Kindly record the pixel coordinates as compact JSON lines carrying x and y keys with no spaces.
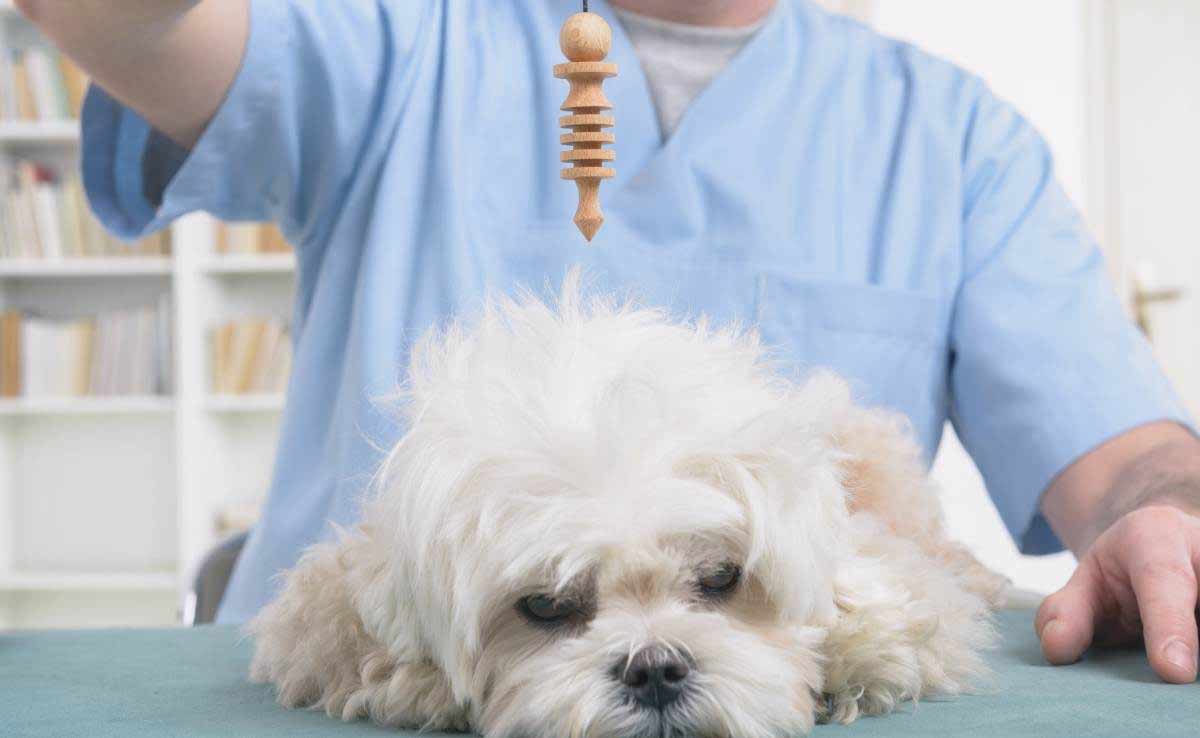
{"x":890,"y":344}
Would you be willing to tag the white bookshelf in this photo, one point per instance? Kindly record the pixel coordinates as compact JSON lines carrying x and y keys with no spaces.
{"x":235,"y":264}
{"x":130,"y":266}
{"x":169,"y":464}
{"x":101,"y":406}
{"x":59,"y":132}
{"x":54,"y":582}
{"x":244,"y":403}
{"x":107,"y":504}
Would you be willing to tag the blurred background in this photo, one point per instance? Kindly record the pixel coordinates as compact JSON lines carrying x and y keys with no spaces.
{"x":141,"y":387}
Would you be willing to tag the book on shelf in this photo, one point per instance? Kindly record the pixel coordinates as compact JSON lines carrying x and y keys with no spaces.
{"x":39,"y":84}
{"x":10,"y":354}
{"x":117,"y":353}
{"x":251,"y":356}
{"x":45,"y":216}
{"x":251,"y":238}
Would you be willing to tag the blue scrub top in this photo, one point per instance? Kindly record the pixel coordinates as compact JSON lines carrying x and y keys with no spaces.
{"x":871,"y":208}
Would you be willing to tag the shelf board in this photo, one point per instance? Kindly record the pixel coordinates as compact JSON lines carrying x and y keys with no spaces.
{"x":244,"y":403}
{"x":86,"y":582}
{"x":39,"y":132}
{"x":132,"y":266}
{"x":46,"y":406}
{"x":234,"y":264}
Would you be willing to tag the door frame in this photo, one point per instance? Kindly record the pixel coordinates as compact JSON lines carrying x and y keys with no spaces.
{"x":1103,"y":144}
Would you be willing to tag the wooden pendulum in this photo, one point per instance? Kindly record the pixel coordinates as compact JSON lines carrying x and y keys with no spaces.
{"x":586,"y":39}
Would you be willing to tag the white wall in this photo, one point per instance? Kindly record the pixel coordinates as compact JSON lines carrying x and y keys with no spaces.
{"x":1032,"y":53}
{"x":1158,"y":45}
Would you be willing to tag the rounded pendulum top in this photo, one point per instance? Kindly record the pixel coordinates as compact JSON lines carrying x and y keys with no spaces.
{"x":585,"y":37}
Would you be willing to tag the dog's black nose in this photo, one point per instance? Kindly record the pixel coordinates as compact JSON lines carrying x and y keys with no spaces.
{"x":654,"y":677}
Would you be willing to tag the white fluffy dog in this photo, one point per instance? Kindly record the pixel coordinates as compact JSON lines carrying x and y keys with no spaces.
{"x":605,"y":524}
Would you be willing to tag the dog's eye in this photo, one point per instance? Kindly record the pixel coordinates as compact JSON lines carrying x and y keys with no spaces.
{"x":722,"y":581}
{"x":544,"y":610}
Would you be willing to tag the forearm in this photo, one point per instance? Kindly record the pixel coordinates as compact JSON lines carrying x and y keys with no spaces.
{"x":170,"y":60}
{"x":1154,"y":465}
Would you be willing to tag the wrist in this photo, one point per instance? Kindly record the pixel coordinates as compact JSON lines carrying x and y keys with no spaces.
{"x":1181,"y":504}
{"x":1165,"y":476}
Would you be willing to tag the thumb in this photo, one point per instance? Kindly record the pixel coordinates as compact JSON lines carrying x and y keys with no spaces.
{"x":1066,"y":621}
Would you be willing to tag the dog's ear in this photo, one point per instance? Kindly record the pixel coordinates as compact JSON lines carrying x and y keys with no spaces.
{"x":335,"y":639}
{"x":886,"y":477}
{"x":883,"y":470}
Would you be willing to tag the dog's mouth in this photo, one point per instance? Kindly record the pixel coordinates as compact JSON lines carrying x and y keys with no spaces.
{"x":668,"y":722}
{"x":658,"y":725}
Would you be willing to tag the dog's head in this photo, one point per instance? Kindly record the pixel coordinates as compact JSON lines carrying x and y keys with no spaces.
{"x":603,"y":523}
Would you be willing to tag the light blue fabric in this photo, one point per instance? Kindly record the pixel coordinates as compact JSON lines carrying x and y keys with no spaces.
{"x":871,"y":208}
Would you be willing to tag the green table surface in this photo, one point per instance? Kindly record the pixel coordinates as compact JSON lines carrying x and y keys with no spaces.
{"x":192,"y":682}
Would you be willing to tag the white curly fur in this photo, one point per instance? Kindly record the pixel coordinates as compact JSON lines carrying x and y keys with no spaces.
{"x":603,"y":451}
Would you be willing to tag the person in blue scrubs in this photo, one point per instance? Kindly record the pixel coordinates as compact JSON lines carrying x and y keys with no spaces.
{"x":871,"y":208}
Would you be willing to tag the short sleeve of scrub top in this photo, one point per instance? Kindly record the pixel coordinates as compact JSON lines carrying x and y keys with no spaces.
{"x":286,"y":140}
{"x":1045,"y":363}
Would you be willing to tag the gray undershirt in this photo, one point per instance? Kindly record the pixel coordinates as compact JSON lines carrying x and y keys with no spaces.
{"x":681,"y":60}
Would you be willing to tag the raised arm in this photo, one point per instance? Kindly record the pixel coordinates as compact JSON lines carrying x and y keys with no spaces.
{"x":170,"y":60}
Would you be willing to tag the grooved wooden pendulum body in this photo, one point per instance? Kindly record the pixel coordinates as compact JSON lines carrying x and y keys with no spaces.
{"x":586,"y":39}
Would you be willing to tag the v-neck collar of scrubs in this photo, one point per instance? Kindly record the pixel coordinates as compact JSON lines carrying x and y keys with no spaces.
{"x":641,"y":140}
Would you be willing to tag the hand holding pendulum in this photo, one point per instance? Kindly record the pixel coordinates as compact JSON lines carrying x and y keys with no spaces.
{"x":586,"y":39}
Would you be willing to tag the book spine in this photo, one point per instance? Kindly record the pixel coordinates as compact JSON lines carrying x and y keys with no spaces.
{"x":76,"y":84}
{"x":10,"y":354}
{"x":272,"y":331}
{"x":26,"y":103}
{"x":41,"y":83}
{"x":46,"y":213}
{"x":84,"y":342}
{"x":7,"y":234}
{"x":99,"y":356}
{"x":164,"y":348}
{"x":8,"y":92}
{"x":32,"y":373}
{"x":71,"y":217}
{"x":31,"y":242}
{"x":281,"y":365}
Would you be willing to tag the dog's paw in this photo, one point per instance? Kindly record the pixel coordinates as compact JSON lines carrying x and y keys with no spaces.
{"x":841,"y":707}
{"x":847,"y":705}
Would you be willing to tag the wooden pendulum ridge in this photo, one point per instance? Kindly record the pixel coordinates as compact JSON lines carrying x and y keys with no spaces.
{"x":586,"y":40}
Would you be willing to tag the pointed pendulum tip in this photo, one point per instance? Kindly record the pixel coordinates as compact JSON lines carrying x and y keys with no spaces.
{"x":588,"y":216}
{"x":589,"y":226}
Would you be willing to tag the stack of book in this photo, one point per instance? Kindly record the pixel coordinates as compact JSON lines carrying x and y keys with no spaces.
{"x":251,"y":238}
{"x":251,"y":356}
{"x":125,"y":352}
{"x":39,"y":84}
{"x":45,"y":216}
